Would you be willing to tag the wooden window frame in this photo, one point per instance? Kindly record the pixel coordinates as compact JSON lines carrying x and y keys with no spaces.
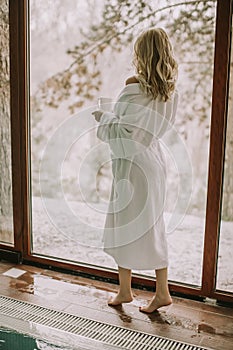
{"x":18,"y":12}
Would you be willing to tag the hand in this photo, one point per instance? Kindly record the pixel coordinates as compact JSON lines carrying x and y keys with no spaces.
{"x":97,"y":115}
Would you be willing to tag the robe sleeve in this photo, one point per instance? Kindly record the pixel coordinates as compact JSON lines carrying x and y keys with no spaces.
{"x":126,"y":135}
{"x":129,"y":130}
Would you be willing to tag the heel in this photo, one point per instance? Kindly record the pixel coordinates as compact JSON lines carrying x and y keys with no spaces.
{"x":167,"y":308}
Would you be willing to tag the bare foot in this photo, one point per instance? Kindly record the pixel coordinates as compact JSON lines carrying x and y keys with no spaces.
{"x":156,"y":303}
{"x":119,"y":299}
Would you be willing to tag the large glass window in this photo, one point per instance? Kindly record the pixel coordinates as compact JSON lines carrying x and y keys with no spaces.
{"x":225,"y":256}
{"x":6,"y":205}
{"x":78,"y":55}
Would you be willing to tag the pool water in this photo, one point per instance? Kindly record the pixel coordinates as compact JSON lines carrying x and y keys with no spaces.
{"x":11,"y":340}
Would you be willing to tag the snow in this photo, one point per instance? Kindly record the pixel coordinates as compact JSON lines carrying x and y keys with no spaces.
{"x":83,"y":242}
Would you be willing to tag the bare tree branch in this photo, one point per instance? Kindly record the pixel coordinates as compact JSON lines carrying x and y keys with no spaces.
{"x":106,"y":40}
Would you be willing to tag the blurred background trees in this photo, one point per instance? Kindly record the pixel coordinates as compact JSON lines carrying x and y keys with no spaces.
{"x":191,"y":25}
{"x":90,"y":49}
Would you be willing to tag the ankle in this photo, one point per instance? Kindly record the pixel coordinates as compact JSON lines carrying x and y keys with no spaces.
{"x":125,"y":292}
{"x":162,"y":294}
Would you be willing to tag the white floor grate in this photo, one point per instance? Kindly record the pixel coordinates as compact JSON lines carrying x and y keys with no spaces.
{"x":108,"y":334}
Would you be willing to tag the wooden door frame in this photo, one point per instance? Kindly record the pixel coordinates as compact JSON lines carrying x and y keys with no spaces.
{"x":21,"y":156}
{"x":217,"y":148}
{"x":18,"y":112}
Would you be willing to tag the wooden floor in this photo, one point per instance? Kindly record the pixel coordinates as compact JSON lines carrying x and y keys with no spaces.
{"x":195,"y":322}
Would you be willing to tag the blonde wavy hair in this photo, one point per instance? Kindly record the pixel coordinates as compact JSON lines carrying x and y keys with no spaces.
{"x":156,"y":67}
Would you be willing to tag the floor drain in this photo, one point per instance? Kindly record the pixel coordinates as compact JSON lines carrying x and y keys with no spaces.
{"x":103,"y":332}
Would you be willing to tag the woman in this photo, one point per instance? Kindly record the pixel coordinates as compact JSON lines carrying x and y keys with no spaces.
{"x":134,"y":233}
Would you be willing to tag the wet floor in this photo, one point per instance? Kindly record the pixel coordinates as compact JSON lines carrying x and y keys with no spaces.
{"x":190,"y":321}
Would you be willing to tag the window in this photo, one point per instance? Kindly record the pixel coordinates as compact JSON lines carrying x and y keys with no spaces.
{"x":225,"y":256}
{"x":54,"y":70}
{"x":6,"y":203}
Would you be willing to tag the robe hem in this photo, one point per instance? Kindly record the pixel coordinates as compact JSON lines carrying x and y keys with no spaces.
{"x":131,"y":267}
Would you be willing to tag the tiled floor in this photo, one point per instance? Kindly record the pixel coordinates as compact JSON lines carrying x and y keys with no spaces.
{"x":186,"y":320}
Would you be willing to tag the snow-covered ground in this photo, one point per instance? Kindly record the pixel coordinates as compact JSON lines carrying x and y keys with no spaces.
{"x":80,"y":240}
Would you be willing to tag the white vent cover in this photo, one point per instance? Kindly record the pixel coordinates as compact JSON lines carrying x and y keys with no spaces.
{"x":103,"y":332}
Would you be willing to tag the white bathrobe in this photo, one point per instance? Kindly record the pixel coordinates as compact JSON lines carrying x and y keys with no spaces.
{"x":134,"y":232}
